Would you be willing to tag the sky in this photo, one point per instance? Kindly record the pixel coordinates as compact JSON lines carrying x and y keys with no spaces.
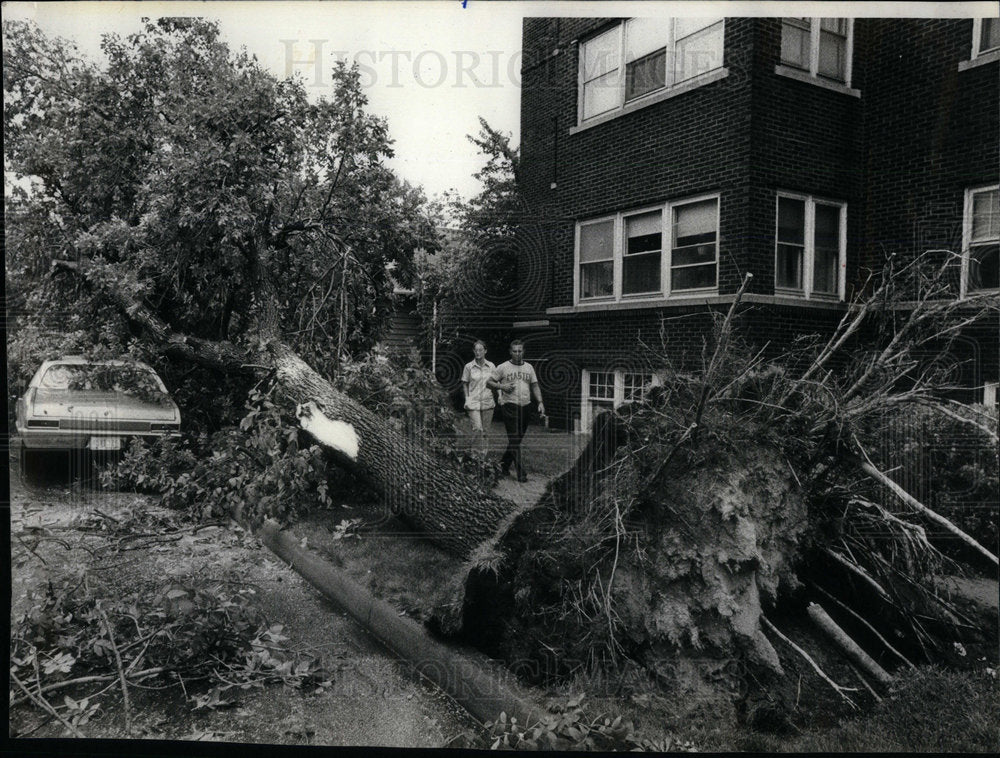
{"x":432,"y":68}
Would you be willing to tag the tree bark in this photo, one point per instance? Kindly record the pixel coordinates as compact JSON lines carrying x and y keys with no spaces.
{"x":424,"y":489}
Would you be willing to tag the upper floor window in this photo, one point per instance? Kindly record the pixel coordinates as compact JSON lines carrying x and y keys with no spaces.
{"x":981,"y":244}
{"x":643,"y":56}
{"x":820,"y":47}
{"x":809,"y":246}
{"x":649,"y":253}
{"x":985,"y":36}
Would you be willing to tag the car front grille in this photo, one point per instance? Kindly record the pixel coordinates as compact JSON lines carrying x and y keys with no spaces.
{"x":100,"y":425}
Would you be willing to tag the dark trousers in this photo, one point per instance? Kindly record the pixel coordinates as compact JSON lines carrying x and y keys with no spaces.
{"x":515,"y":421}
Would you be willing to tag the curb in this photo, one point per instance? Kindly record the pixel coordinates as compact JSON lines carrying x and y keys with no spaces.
{"x":474,"y":688}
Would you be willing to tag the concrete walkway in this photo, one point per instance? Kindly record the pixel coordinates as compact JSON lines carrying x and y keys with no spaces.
{"x":546,"y":454}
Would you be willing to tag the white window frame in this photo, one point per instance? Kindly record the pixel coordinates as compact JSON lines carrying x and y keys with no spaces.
{"x":809,"y":248}
{"x":967,"y":238}
{"x":977,"y":35}
{"x":813,"y":70}
{"x":670,"y":85}
{"x":666,"y":250}
{"x":586,"y":411}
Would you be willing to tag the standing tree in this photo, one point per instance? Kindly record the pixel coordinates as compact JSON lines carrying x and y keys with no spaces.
{"x":213,"y":212}
{"x":472,"y":279}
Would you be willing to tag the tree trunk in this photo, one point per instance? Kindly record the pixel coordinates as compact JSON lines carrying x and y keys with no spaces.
{"x":428,"y":492}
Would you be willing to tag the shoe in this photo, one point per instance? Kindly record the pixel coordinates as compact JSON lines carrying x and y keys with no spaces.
{"x":521,"y":476}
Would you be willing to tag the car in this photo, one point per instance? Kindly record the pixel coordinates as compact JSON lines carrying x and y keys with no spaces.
{"x":76,"y":404}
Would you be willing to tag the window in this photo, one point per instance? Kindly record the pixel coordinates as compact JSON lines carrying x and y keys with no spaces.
{"x":597,"y":259}
{"x":820,"y":47}
{"x":809,"y":246}
{"x":604,"y":390}
{"x":985,"y":36}
{"x":694,"y":253}
{"x":641,"y":255}
{"x":643,"y":56}
{"x":634,"y":255}
{"x":600,"y":393}
{"x":981,"y":248}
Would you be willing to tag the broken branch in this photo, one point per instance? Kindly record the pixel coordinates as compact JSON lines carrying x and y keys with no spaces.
{"x":830,"y":628}
{"x":908,"y":499}
{"x":840,"y":690}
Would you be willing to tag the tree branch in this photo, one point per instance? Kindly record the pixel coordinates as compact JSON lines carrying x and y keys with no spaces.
{"x":221,"y":355}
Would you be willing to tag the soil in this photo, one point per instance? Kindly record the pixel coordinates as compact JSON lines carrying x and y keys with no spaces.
{"x":373,"y":699}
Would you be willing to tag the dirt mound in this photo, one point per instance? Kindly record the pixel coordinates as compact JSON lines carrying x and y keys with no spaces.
{"x":619,"y":559}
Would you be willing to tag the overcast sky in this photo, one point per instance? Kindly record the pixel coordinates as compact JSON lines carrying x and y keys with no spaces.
{"x":431,"y":68}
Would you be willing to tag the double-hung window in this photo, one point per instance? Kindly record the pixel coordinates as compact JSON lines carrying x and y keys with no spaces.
{"x":985,"y":36}
{"x":640,"y":57}
{"x":981,"y":248}
{"x":694,"y":252}
{"x":605,"y":390}
{"x":820,"y":47}
{"x":809,"y":247}
{"x":596,"y":244}
{"x":649,"y":253}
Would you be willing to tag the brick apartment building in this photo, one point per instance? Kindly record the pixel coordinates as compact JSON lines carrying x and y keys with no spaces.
{"x":662,"y":159}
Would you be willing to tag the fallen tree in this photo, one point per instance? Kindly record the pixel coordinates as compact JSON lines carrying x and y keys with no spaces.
{"x":730,"y":490}
{"x":215,"y":198}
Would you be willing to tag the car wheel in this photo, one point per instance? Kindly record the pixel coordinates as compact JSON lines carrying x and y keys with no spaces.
{"x":32,"y":465}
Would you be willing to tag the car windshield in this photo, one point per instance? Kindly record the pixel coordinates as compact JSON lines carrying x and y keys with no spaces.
{"x":102,"y":377}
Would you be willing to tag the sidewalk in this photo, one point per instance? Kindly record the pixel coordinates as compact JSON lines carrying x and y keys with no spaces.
{"x":546,"y":454}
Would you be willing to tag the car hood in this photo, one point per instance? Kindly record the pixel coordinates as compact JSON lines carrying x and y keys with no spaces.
{"x":111,"y":405}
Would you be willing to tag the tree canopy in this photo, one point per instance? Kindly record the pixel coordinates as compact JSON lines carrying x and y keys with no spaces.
{"x":187,"y":175}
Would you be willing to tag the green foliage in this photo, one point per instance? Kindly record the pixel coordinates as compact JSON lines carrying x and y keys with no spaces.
{"x":269,"y":468}
{"x":948,"y":461}
{"x":401,"y":391}
{"x":210,"y":636}
{"x":474,"y":273}
{"x":569,"y":728}
{"x":185,"y":174}
{"x":258,"y":467}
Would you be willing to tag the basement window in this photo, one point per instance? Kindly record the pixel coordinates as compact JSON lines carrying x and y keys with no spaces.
{"x":605,"y":390}
{"x":981,"y":241}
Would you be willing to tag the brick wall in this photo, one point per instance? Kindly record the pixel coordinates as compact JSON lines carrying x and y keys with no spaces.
{"x":650,"y":340}
{"x":931,"y":131}
{"x":900,"y":156}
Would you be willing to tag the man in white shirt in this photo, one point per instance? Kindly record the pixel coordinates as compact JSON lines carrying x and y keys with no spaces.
{"x":478,"y":397}
{"x":517,"y":383}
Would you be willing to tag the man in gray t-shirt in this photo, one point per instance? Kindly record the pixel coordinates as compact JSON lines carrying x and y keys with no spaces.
{"x":517,"y":383}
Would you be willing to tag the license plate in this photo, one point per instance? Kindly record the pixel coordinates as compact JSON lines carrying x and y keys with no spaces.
{"x":105,"y":443}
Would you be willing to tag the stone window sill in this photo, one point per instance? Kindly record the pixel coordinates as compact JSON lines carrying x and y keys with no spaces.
{"x":802,"y":76}
{"x":687,"y":302}
{"x":980,"y":60}
{"x":699,"y":81}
